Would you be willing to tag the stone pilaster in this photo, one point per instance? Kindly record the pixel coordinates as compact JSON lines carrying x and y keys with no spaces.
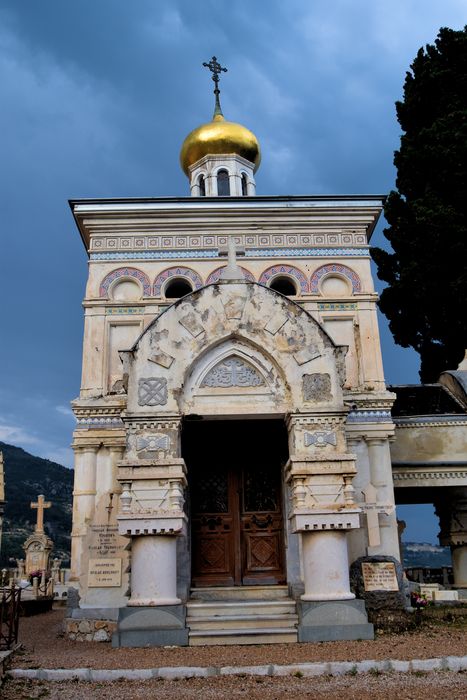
{"x":452,"y":512}
{"x":387,"y":542}
{"x":84,"y":493}
{"x":319,"y":473}
{"x":153,"y":482}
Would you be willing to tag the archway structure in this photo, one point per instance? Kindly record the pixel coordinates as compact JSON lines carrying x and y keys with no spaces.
{"x":236,"y":349}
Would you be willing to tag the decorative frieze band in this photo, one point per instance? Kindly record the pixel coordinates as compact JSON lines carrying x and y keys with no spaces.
{"x":195,"y":280}
{"x":336,"y":306}
{"x":123,"y":310}
{"x":435,"y":475}
{"x":249,"y":253}
{"x":358,"y":416}
{"x":431,"y":421}
{"x":99,"y":422}
{"x":196,"y":242}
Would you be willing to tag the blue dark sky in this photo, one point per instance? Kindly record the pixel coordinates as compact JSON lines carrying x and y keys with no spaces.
{"x":96,"y":99}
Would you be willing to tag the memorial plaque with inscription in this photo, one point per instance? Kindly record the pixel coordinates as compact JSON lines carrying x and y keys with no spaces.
{"x":105,"y":541}
{"x":379,"y":576}
{"x":104,"y":573}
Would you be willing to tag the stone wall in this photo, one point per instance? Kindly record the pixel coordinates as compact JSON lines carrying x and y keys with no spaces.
{"x":89,"y":630}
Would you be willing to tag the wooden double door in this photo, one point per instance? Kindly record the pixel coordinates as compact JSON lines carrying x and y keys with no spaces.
{"x":236,"y":515}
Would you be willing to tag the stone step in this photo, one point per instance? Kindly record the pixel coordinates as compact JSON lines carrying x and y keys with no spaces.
{"x":265,"y":635}
{"x":239,"y":593}
{"x":244,"y":622}
{"x":243,"y":607}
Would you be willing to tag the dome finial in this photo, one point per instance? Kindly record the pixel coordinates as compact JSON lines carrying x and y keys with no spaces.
{"x":216,"y":69}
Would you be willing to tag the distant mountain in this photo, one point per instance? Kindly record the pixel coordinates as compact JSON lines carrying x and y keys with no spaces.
{"x":26,"y":477}
{"x":424,"y":555}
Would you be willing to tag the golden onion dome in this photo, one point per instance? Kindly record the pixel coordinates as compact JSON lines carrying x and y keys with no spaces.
{"x":219,"y":137}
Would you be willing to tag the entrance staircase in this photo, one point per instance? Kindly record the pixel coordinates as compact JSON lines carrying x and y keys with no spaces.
{"x":241,"y":615}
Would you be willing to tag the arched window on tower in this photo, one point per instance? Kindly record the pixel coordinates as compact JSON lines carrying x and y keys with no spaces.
{"x":244,"y":185}
{"x":177,"y":287}
{"x":202,"y":186}
{"x":285,"y":285}
{"x":223,"y":183}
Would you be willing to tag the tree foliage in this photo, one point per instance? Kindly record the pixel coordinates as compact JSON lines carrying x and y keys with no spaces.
{"x":425,"y":301}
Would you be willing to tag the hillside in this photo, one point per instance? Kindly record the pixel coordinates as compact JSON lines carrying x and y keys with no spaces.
{"x":422,"y":554}
{"x":26,"y":477}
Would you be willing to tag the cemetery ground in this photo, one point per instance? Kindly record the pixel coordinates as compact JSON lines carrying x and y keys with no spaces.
{"x":443,"y":632}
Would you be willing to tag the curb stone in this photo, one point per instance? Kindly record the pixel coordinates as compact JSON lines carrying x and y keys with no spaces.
{"x":333,"y":668}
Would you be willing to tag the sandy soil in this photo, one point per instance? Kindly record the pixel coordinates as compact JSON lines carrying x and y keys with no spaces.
{"x":45,"y":647}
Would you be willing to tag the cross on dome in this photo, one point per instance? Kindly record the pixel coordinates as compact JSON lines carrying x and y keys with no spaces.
{"x":216,"y":69}
{"x":221,"y":157}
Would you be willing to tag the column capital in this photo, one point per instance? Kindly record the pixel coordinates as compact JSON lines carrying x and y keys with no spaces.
{"x":375,"y":440}
{"x":85,"y":449}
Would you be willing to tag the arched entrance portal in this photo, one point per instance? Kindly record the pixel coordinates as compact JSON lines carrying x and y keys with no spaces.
{"x":236,"y":500}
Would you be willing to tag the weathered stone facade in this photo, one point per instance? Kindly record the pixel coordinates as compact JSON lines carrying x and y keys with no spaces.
{"x":175,"y":338}
{"x":232,"y":348}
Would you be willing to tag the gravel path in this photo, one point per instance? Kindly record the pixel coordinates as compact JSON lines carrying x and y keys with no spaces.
{"x":384,"y":686}
{"x":45,"y":647}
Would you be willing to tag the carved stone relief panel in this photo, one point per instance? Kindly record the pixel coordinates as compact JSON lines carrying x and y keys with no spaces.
{"x":152,"y":442}
{"x":320,"y":439}
{"x":309,"y":435}
{"x":233,"y":372}
{"x":152,"y":392}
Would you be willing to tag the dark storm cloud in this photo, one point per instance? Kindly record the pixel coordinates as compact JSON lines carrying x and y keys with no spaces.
{"x":97,"y":96}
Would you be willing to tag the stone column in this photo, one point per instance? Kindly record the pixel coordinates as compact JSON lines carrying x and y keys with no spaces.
{"x":452,"y":512}
{"x":153,"y":527}
{"x":357,"y":538}
{"x":154,"y":571}
{"x":459,"y":565}
{"x":84,"y":493}
{"x":251,"y":187}
{"x":106,"y":478}
{"x":381,"y":478}
{"x":85,"y":481}
{"x":326,"y":566}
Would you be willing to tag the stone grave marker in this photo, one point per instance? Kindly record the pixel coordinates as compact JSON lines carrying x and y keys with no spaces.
{"x":38,"y":546}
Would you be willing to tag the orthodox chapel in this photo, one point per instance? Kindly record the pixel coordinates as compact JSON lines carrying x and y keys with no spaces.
{"x":232,"y":447}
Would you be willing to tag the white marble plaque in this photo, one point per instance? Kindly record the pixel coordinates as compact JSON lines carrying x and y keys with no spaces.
{"x":104,"y":573}
{"x":379,"y":576}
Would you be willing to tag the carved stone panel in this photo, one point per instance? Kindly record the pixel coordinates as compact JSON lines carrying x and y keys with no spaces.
{"x":232,"y":372}
{"x":320,"y":439}
{"x":317,"y":387}
{"x":152,"y":392}
{"x":151,"y":443}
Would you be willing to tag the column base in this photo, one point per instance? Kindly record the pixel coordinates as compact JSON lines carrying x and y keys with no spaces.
{"x":152,"y":603}
{"x":333,"y":621}
{"x":151,"y":627}
{"x":317,"y":597}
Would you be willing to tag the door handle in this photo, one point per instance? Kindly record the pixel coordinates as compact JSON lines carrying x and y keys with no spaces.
{"x":261,"y":523}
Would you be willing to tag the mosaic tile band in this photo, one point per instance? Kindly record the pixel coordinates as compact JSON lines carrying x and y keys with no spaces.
{"x":125,"y":272}
{"x":123,"y":310}
{"x":249,"y":253}
{"x":336,"y":306}
{"x":185,"y":272}
{"x":266,"y":276}
{"x":341,"y":270}
{"x":215,"y":275}
{"x":278,"y":270}
{"x":369,"y":416}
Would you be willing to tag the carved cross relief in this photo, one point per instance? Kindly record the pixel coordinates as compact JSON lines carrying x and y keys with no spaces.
{"x":372,"y":510}
{"x":232,"y":372}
